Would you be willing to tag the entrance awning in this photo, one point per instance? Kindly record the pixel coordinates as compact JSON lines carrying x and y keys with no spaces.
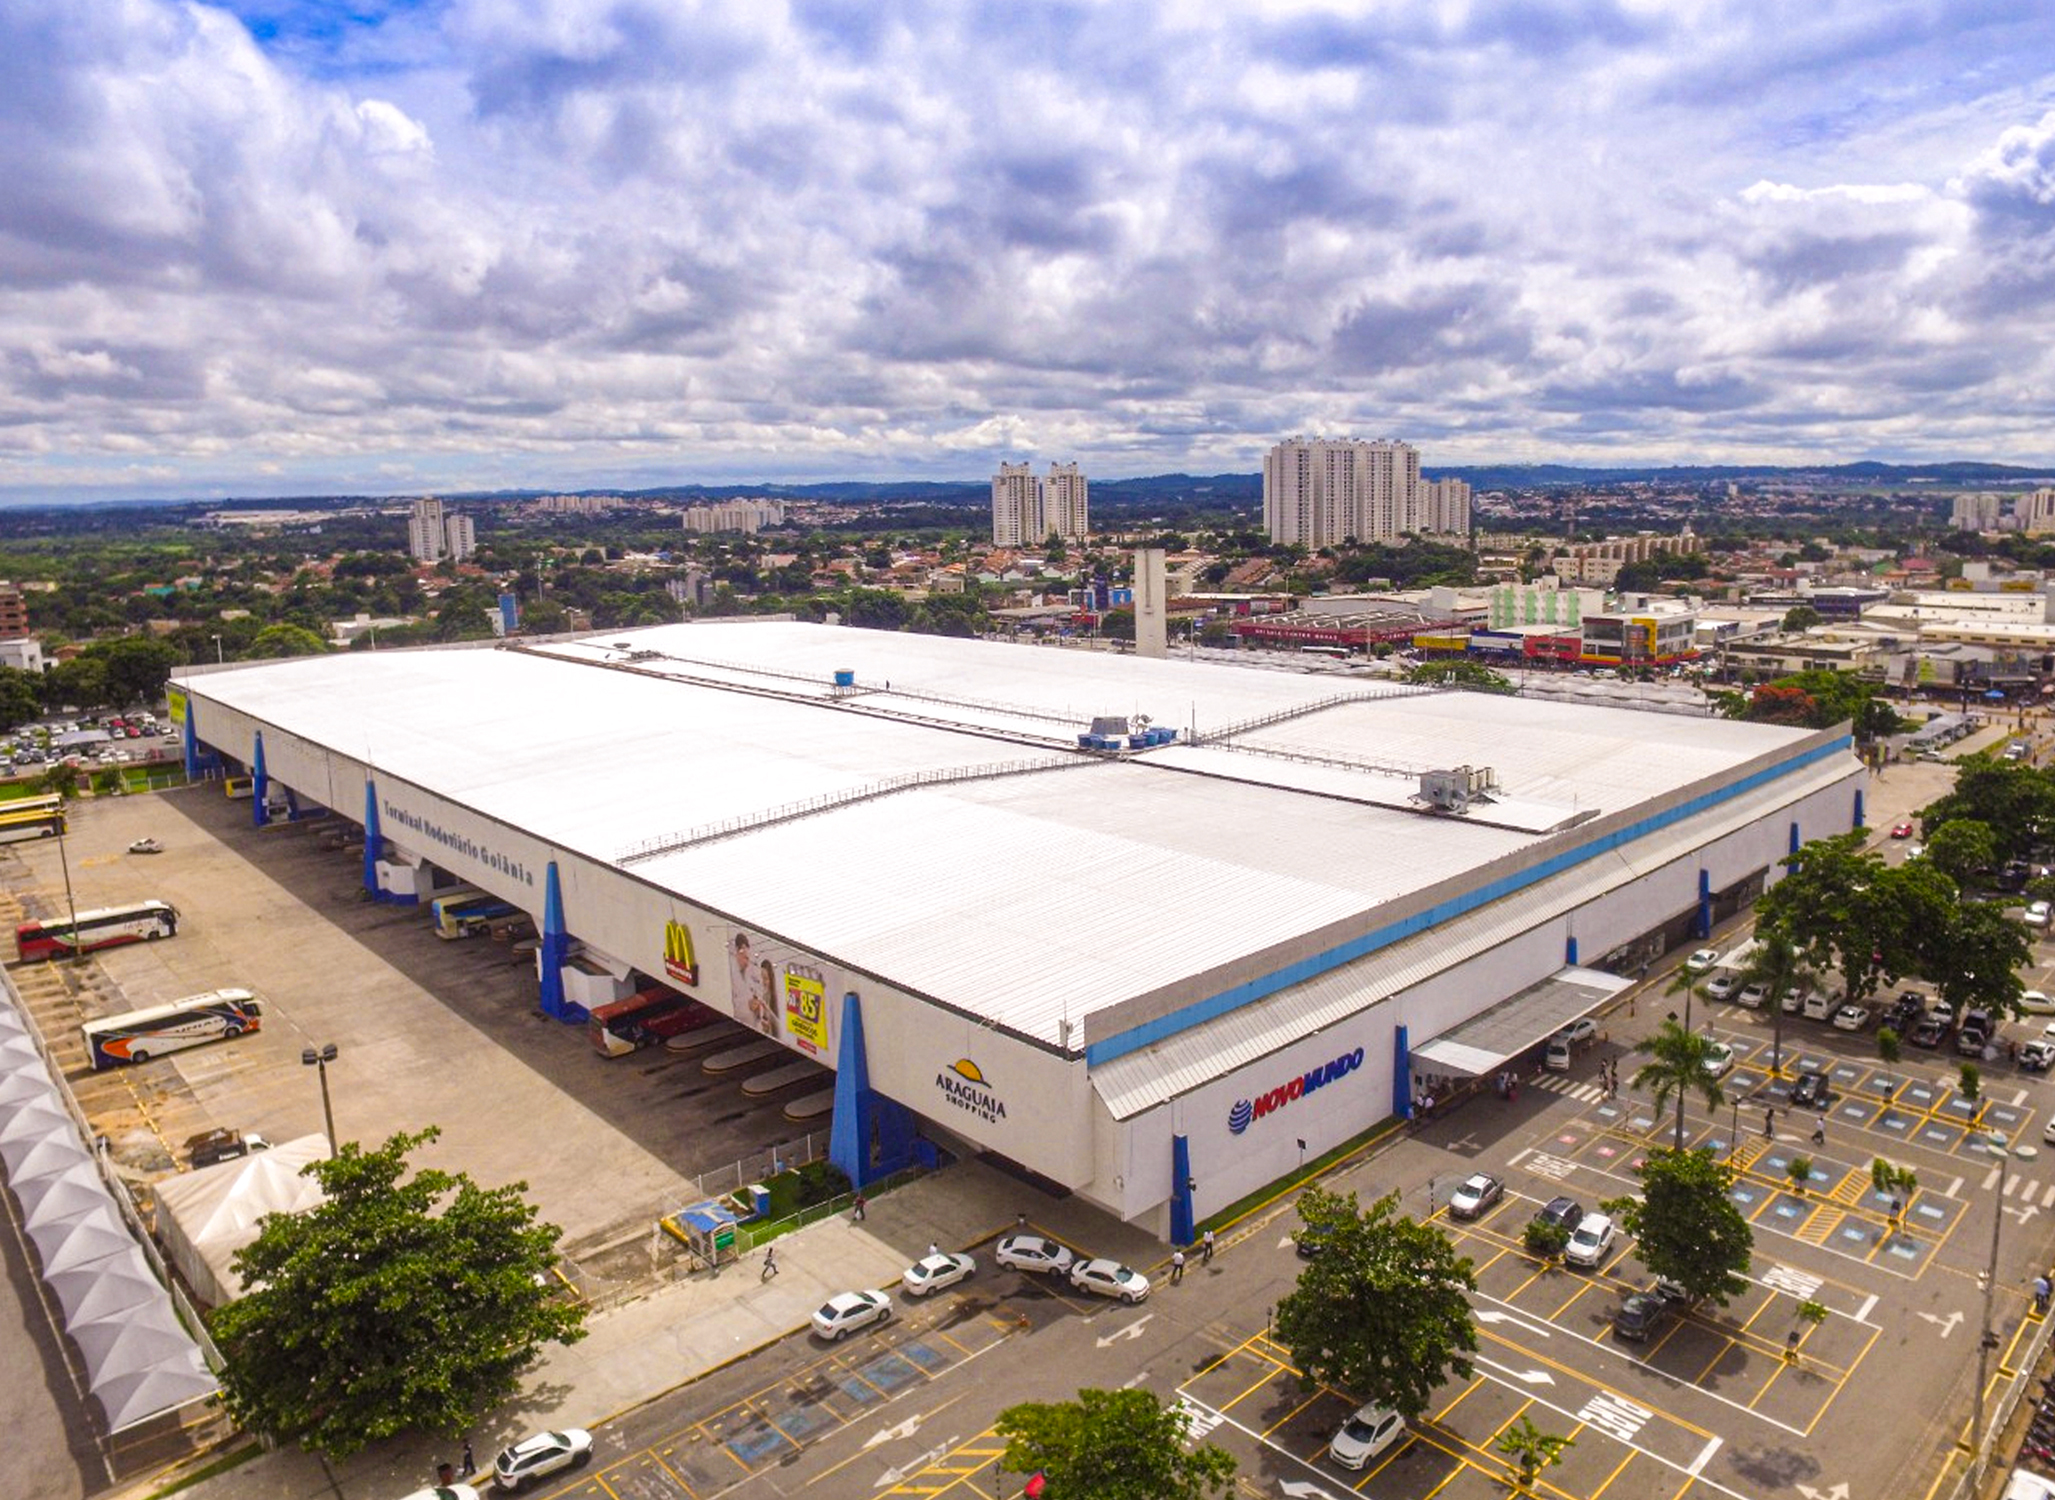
{"x":1491,"y":1039}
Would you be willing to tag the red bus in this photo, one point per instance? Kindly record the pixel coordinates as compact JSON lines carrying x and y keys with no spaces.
{"x":645,"y":1018}
{"x":107,"y":927}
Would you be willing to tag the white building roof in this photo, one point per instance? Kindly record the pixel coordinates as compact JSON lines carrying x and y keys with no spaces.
{"x":959,"y":844}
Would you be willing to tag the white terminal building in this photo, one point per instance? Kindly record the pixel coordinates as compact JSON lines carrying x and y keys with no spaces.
{"x":1156,"y":930}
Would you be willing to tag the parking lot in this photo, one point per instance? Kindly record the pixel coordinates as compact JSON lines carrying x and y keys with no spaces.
{"x":427,"y":1031}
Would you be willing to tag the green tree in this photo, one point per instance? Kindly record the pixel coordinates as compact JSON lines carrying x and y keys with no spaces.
{"x":275,"y":641}
{"x":1973,"y":954}
{"x":1844,"y":908}
{"x":1459,"y":673}
{"x":137,"y":668}
{"x":78,"y":683}
{"x":1686,"y":1226}
{"x":393,"y":1306}
{"x":1530,"y":1450}
{"x":876,"y":609}
{"x":1799,"y":1170}
{"x":1961,"y":847}
{"x":1779,"y":968}
{"x":2012,"y":799}
{"x":1383,"y":1312}
{"x":18,"y":701}
{"x":1801,"y":617}
{"x":1676,"y":1069}
{"x":1112,"y":1445}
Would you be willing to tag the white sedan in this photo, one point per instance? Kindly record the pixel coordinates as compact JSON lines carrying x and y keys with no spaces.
{"x":1722,"y":985}
{"x":1366,"y":1434}
{"x":845,"y":1312}
{"x":1719,"y":1060}
{"x":1034,"y":1252}
{"x":933,"y":1272}
{"x":1701,"y":961}
{"x":1109,"y":1278}
{"x":1851,"y":1018}
{"x":534,"y":1457}
{"x":1583,"y":1029}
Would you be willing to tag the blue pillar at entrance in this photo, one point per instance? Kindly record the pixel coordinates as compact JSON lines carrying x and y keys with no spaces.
{"x":260,"y":786}
{"x":192,"y":728}
{"x":1795,"y":843}
{"x":1180,"y":1190}
{"x":1704,"y":903}
{"x":1401,"y":1075}
{"x":556,"y":947}
{"x":1570,"y":951}
{"x":849,"y":1135}
{"x":1858,"y":808}
{"x":371,"y":838}
{"x":292,"y":805}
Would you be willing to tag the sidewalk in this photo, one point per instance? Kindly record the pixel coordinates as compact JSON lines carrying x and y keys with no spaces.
{"x":636,"y":1352}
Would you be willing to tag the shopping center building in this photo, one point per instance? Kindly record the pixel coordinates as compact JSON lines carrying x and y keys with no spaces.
{"x":1156,"y":930}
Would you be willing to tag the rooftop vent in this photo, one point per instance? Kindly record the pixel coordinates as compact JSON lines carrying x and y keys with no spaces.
{"x":1454,"y":791}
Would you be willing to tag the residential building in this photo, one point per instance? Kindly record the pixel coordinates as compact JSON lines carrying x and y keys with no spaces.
{"x":1975,"y":512}
{"x":14,"y":613}
{"x":426,"y":536}
{"x":460,"y":537}
{"x":740,"y":514}
{"x":1318,"y":492}
{"x":1066,"y":503}
{"x":2035,"y":512}
{"x":1027,"y":510}
{"x":1600,"y":562}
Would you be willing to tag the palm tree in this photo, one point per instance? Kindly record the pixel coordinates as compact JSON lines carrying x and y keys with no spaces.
{"x":1677,"y":1066}
{"x":1779,"y":968}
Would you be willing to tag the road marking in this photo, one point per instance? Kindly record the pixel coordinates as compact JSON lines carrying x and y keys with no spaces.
{"x":2048,"y":1198}
{"x":1800,"y":1284}
{"x":1954,"y":1188}
{"x":1698,"y":1464}
{"x":1947,"y":1324}
{"x":1615,"y":1415}
{"x":2019,"y":1099}
{"x":1525,"y":1377}
{"x":1492,"y":1315}
{"x":1863,"y":1311}
{"x":914,"y":1465}
{"x":1131,"y":1331}
{"x":1298,"y":1489}
{"x":2020,"y":1211}
{"x":1201,"y":1419}
{"x":1991,"y":1178}
{"x":1838,"y":1492}
{"x":1521,"y":1155}
{"x":1547,"y":1165}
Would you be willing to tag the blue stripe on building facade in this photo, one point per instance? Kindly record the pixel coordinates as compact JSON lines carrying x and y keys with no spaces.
{"x":1199,"y":1012}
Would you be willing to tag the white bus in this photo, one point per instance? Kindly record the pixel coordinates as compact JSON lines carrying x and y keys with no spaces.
{"x":140,"y":1035}
{"x":107,"y":927}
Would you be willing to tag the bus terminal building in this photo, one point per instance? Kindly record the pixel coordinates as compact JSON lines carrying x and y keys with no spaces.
{"x":1155,"y":930}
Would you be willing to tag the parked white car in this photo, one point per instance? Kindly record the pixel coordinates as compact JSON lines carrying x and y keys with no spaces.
{"x":535,"y":1457}
{"x":933,"y":1272}
{"x":1109,"y":1278}
{"x":1368,"y":1432}
{"x":1719,"y":1061}
{"x":1722,"y":985}
{"x":1034,"y":1252}
{"x":845,"y":1312}
{"x":1701,"y":961}
{"x":1592,"y":1242}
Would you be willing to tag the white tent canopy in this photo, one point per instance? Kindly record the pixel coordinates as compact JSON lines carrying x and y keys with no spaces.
{"x":204,"y":1217}
{"x":140,"y":1361}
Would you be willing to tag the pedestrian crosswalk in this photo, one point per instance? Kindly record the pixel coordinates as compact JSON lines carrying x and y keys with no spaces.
{"x":1569,"y":1088}
{"x":2025,"y":1189}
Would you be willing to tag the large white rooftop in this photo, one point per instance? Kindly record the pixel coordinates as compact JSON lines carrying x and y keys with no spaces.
{"x":936,"y":824}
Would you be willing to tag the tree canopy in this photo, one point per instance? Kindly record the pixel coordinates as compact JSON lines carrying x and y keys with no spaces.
{"x":1459,"y":673}
{"x":2015,"y":801}
{"x":394,"y":1306}
{"x":1676,"y":1068}
{"x":1383,"y":1311}
{"x":1112,"y":1445}
{"x":1686,"y":1226}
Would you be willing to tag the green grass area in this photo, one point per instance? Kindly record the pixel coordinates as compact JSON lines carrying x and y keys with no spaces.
{"x":1291,"y":1183}
{"x":220,"y":1466}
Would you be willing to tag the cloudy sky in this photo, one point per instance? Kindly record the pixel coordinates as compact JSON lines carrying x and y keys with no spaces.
{"x":280,"y":247}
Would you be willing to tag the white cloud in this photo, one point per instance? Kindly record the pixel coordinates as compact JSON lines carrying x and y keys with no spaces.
{"x":562,"y":244}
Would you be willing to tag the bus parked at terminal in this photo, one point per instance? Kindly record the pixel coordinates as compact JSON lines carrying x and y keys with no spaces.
{"x":139,"y":1035}
{"x":468,"y":913}
{"x":105,"y":927}
{"x":36,"y":823}
{"x":645,"y":1018}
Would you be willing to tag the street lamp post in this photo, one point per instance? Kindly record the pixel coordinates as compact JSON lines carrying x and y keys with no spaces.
{"x":1987,"y":1340}
{"x":320,"y":1060}
{"x":218,"y":661}
{"x":70,"y":901}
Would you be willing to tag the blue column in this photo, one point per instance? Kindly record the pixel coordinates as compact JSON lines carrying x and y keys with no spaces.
{"x":849,"y":1134}
{"x":372,"y":839}
{"x":260,"y":786}
{"x":1401,"y":1075}
{"x":1704,"y":903}
{"x":556,"y":947}
{"x":1858,"y":809}
{"x":192,"y":728}
{"x":292,"y":805}
{"x":1181,"y":1190}
{"x":1570,"y":950}
{"x":1796,"y":843}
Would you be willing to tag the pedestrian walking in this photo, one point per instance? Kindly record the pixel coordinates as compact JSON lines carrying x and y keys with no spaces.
{"x":1769,"y":1124}
{"x":470,"y":1465}
{"x":1206,"y":1249}
{"x":770,"y":1264}
{"x":2042,"y":1289}
{"x":857,"y":1207}
{"x":1176,"y":1267}
{"x":1819,"y":1129}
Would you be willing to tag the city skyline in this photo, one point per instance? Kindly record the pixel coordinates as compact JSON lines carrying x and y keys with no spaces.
{"x":449,"y":247}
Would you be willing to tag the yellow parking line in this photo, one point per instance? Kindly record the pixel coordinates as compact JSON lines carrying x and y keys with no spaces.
{"x":1268,"y":1376}
{"x":1619,"y":1469}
